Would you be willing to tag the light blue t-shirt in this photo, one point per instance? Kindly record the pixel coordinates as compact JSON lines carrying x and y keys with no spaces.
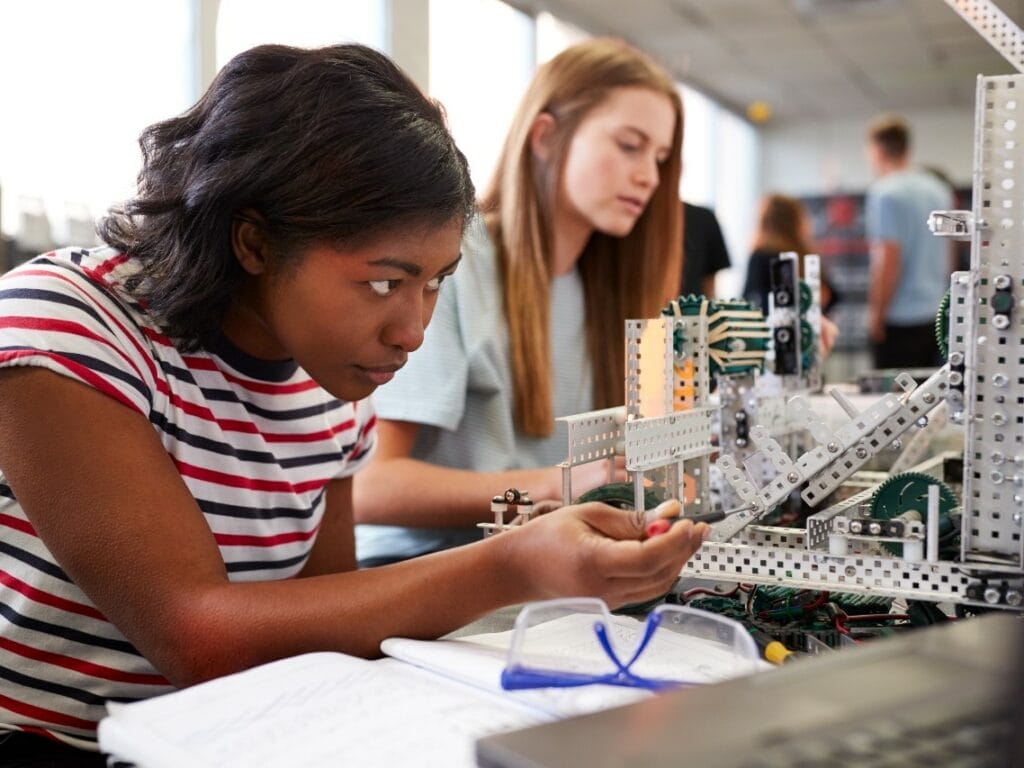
{"x":458,"y":387}
{"x":897,"y":208}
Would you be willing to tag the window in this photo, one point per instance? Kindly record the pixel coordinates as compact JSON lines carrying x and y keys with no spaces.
{"x":555,"y":35}
{"x":721,"y":154}
{"x":241,"y":24}
{"x":481,"y":59}
{"x":83,"y":80}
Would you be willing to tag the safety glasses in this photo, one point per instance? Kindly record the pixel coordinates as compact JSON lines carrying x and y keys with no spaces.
{"x":576,"y":641}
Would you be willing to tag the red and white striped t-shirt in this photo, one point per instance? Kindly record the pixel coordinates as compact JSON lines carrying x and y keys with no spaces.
{"x":256,"y":442}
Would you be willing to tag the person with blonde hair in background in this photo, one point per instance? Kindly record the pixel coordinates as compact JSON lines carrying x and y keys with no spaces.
{"x":580,"y":230}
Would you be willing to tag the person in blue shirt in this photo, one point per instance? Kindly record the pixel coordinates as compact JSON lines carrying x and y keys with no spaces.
{"x":909,"y":265}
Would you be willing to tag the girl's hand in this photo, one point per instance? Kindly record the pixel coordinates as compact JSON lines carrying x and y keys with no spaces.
{"x":595,"y":550}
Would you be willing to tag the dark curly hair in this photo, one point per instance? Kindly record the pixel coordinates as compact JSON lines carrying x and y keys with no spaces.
{"x":328,"y":145}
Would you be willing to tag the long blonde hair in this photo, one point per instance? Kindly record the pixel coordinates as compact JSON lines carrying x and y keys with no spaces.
{"x":623,"y":277}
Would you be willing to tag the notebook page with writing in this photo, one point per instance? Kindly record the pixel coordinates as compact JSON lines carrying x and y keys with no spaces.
{"x":319,"y":709}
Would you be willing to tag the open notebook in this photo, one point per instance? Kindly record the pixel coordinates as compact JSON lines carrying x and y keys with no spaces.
{"x":424,"y":707}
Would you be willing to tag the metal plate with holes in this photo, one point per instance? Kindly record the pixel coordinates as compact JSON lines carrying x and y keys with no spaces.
{"x":905,"y":415}
{"x":994,"y":363}
{"x":659,"y":440}
{"x":594,"y":435}
{"x":995,"y":26}
{"x":857,"y":573}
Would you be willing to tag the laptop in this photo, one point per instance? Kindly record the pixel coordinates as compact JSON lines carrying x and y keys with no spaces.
{"x":948,"y":695}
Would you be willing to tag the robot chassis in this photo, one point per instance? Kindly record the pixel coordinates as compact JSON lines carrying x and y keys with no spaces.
{"x":666,"y":425}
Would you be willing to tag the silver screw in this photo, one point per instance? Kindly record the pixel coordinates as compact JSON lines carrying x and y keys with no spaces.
{"x":874,"y":528}
{"x":856,"y":526}
{"x":996,"y":476}
{"x":1001,"y":322}
{"x":956,"y":358}
{"x":955,"y":378}
{"x":793,"y":477}
{"x":928,"y":397}
{"x":832,"y":447}
{"x":998,"y":418}
{"x":1002,"y":282}
{"x":991,"y":595}
{"x":1014,"y":597}
{"x":1000,"y":379}
{"x":996,"y":457}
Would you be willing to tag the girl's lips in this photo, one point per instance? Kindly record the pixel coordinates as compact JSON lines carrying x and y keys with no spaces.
{"x":634,"y":205}
{"x":380,"y":375}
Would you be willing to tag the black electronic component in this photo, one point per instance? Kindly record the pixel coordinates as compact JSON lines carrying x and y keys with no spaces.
{"x":782,"y":273}
{"x":742,"y":428}
{"x":787,"y":353}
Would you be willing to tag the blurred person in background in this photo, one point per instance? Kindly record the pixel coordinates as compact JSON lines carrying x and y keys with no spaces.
{"x":910,"y":267}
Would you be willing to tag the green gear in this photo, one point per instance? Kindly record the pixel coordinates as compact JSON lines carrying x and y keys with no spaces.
{"x":619,"y":495}
{"x":942,"y":325}
{"x":690,"y":305}
{"x":807,"y":345}
{"x":806,"y":336}
{"x":805,"y":297}
{"x":909,"y":490}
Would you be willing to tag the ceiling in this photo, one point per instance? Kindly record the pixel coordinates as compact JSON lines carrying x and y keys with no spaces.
{"x":806,"y":59}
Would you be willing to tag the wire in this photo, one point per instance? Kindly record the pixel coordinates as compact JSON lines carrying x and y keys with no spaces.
{"x":702,"y":591}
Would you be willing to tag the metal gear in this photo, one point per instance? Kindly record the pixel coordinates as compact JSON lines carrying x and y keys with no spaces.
{"x":806,"y":337}
{"x":942,"y":325}
{"x":908,"y":491}
{"x":805,"y":297}
{"x":619,"y":495}
{"x":718,"y":312}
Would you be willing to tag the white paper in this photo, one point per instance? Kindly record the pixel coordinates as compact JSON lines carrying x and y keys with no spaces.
{"x":321,"y":709}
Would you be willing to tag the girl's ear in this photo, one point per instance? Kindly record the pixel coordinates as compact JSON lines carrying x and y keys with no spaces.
{"x":542,"y":134}
{"x":248,"y":242}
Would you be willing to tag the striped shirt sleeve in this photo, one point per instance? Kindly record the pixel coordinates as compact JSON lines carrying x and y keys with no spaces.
{"x":62,"y":318}
{"x":366,"y":438}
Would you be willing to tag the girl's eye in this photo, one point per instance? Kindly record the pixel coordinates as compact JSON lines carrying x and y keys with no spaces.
{"x":629,"y":148}
{"x":383,"y":287}
{"x":435,"y":284}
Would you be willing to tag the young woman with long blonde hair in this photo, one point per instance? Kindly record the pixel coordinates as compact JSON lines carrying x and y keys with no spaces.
{"x":580,"y":229}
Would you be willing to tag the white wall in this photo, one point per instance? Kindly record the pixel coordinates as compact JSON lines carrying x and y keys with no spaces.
{"x":821,"y":157}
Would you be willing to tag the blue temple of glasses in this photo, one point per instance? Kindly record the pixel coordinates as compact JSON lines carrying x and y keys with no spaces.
{"x":519,"y":677}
